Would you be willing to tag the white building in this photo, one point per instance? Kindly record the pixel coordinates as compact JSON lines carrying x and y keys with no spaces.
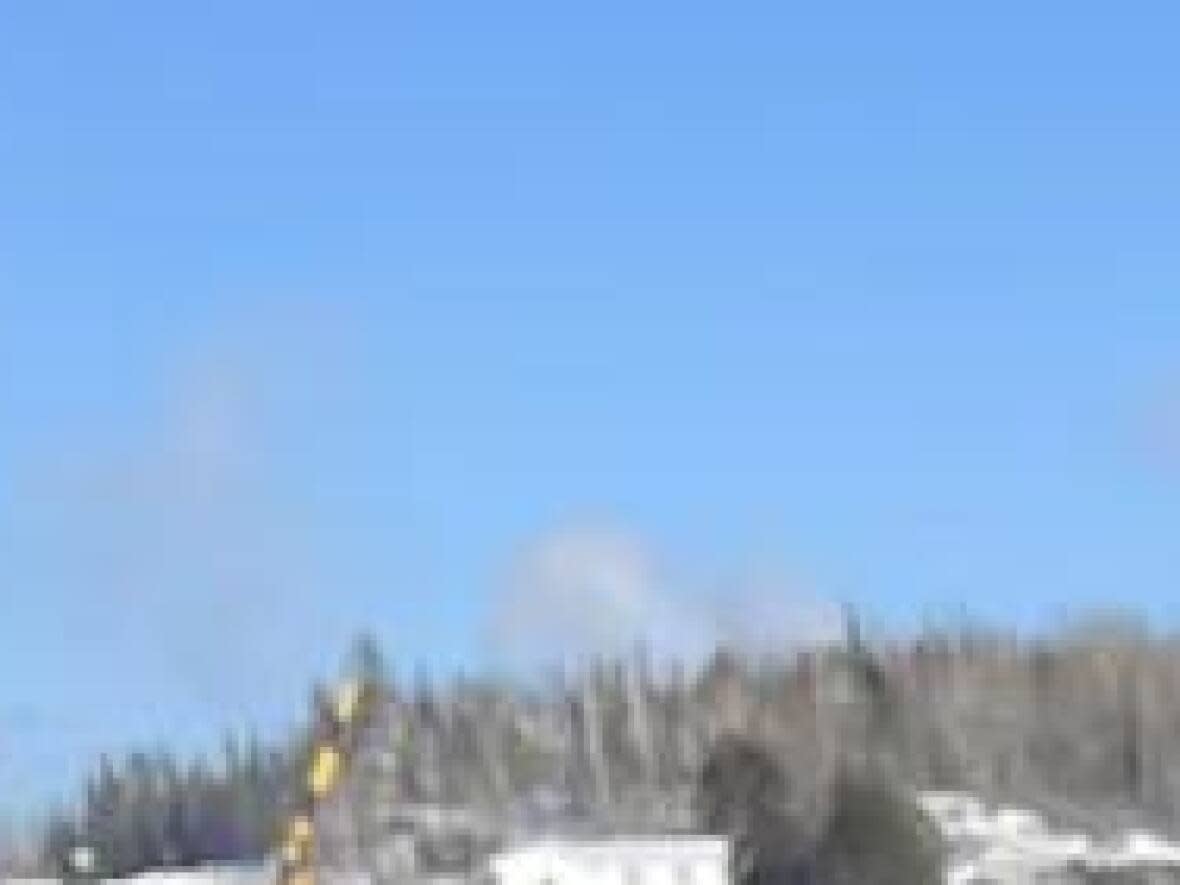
{"x":208,"y":875}
{"x":650,"y":861}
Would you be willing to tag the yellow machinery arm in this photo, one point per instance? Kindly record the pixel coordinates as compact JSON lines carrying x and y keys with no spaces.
{"x":333,"y":739}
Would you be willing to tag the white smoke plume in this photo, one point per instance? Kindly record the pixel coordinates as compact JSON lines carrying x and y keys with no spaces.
{"x":191,"y":573}
{"x":591,"y":589}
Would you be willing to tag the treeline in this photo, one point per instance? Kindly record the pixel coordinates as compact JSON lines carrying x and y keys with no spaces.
{"x":1084,"y":725}
{"x":150,"y":811}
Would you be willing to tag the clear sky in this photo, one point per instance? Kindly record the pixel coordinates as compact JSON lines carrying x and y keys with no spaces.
{"x":322,"y":315}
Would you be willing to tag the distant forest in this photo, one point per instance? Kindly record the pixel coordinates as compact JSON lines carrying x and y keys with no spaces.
{"x":782,"y":752}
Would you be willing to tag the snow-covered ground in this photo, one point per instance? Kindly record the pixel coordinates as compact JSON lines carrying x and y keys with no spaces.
{"x":184,"y":877}
{"x":1012,"y":846}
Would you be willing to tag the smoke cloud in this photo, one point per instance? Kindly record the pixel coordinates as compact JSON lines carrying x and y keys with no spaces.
{"x":590,"y":589}
{"x":178,"y":555}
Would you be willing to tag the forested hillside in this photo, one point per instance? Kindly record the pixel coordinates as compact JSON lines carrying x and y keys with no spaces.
{"x":1084,"y":725}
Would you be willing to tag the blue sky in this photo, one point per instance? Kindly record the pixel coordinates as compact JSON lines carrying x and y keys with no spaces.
{"x":316,"y":318}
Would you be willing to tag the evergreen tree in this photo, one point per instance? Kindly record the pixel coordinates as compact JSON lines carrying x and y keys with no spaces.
{"x":875,"y":836}
{"x":744,"y":794}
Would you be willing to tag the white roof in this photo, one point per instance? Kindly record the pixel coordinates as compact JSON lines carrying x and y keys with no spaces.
{"x":630,"y":846}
